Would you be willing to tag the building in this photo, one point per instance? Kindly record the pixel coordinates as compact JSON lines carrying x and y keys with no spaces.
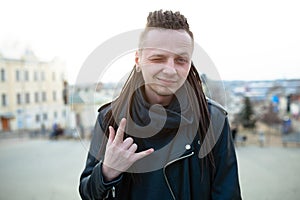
{"x":31,"y":92}
{"x":265,"y":92}
{"x":85,"y":100}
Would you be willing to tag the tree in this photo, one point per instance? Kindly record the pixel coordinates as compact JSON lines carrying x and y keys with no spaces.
{"x":246,"y":116}
{"x":271,"y":117}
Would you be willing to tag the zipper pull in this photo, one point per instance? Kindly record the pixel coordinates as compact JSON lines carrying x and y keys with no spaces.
{"x":113,"y":191}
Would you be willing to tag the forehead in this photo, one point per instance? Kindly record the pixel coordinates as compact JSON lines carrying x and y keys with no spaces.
{"x":173,"y":41}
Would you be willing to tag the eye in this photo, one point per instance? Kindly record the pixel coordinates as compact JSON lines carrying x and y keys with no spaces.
{"x":181,"y":60}
{"x":157,"y":59}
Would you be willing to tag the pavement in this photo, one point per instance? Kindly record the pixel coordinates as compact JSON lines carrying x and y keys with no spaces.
{"x":38,"y":168}
{"x":34,"y":169}
{"x":269,"y":172}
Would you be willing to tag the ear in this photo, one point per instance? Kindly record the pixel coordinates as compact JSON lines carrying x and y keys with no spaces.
{"x":137,"y":62}
{"x":137,"y":58}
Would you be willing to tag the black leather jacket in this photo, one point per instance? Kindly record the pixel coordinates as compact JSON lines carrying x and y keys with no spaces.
{"x":186,"y":177}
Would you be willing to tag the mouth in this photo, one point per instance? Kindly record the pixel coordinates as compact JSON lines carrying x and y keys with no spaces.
{"x":166,"y":82}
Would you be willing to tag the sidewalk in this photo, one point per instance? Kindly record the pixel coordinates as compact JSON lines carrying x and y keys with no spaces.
{"x":26,"y":134}
{"x":22,"y":134}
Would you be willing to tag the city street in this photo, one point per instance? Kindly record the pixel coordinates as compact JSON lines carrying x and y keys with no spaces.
{"x":42,"y":169}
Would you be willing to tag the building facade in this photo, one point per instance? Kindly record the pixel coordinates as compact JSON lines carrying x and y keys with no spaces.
{"x":31,"y":93}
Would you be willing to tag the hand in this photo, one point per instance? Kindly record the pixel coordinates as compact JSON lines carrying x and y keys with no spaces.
{"x":120,"y":155}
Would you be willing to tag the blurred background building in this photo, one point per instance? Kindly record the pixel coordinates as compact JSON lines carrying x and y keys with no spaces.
{"x":259,"y":107}
{"x":31,"y":91}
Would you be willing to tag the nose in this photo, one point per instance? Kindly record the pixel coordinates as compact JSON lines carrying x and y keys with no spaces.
{"x":169,"y":67}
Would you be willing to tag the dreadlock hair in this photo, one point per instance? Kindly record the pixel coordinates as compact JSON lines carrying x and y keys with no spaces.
{"x":164,"y":20}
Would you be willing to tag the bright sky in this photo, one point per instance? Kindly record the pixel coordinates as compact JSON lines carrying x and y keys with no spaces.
{"x":257,"y":39}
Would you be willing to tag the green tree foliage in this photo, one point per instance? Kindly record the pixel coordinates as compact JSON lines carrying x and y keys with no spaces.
{"x":246,"y":116}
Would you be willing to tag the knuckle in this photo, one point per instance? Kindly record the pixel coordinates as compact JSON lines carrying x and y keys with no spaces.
{"x":134,"y":146}
{"x":129,"y":140}
{"x":114,"y":147}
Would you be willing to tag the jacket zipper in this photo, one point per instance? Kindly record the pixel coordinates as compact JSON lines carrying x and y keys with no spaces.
{"x":169,"y":163}
{"x":113,"y":192}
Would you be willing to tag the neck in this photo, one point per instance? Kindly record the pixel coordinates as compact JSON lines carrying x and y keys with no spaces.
{"x":154,"y":98}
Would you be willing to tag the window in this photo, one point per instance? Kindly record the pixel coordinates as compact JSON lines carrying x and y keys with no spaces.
{"x":17,"y":75}
{"x":55,"y":114}
{"x":35,"y":76}
{"x":36,"y":97}
{"x":26,"y":75}
{"x":53,"y":76}
{"x":3,"y":75}
{"x":45,"y":116}
{"x":37,"y":118}
{"x":19,"y":99}
{"x":42,"y":75}
{"x":44,"y":96}
{"x":27,"y":98}
{"x":3,"y":100}
{"x":54,"y":95}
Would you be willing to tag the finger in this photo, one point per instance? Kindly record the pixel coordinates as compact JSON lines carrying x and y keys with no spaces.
{"x":111,"y":134}
{"x":120,"y":132}
{"x":133,"y":148}
{"x":143,"y":154}
{"x":127,"y":143}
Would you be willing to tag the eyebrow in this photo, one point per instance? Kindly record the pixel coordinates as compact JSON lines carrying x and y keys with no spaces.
{"x":157,"y":55}
{"x":184,"y":54}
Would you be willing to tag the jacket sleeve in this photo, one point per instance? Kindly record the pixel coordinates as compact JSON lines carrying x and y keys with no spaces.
{"x":225,"y":180}
{"x":92,"y":184}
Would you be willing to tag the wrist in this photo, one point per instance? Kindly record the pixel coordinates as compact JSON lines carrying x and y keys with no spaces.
{"x":109,"y":173}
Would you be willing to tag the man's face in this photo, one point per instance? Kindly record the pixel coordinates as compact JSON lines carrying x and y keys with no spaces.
{"x":165,"y":61}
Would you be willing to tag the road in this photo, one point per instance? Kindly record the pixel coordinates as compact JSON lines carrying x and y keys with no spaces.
{"x":49,"y":170}
{"x":41,"y":169}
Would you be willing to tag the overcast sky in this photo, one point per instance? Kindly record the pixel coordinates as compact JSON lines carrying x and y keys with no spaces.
{"x":246,"y":40}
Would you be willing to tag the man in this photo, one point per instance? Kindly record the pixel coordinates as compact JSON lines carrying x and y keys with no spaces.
{"x":162,"y":138}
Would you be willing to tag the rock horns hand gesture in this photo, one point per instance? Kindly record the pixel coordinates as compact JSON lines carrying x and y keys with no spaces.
{"x":120,"y":155}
